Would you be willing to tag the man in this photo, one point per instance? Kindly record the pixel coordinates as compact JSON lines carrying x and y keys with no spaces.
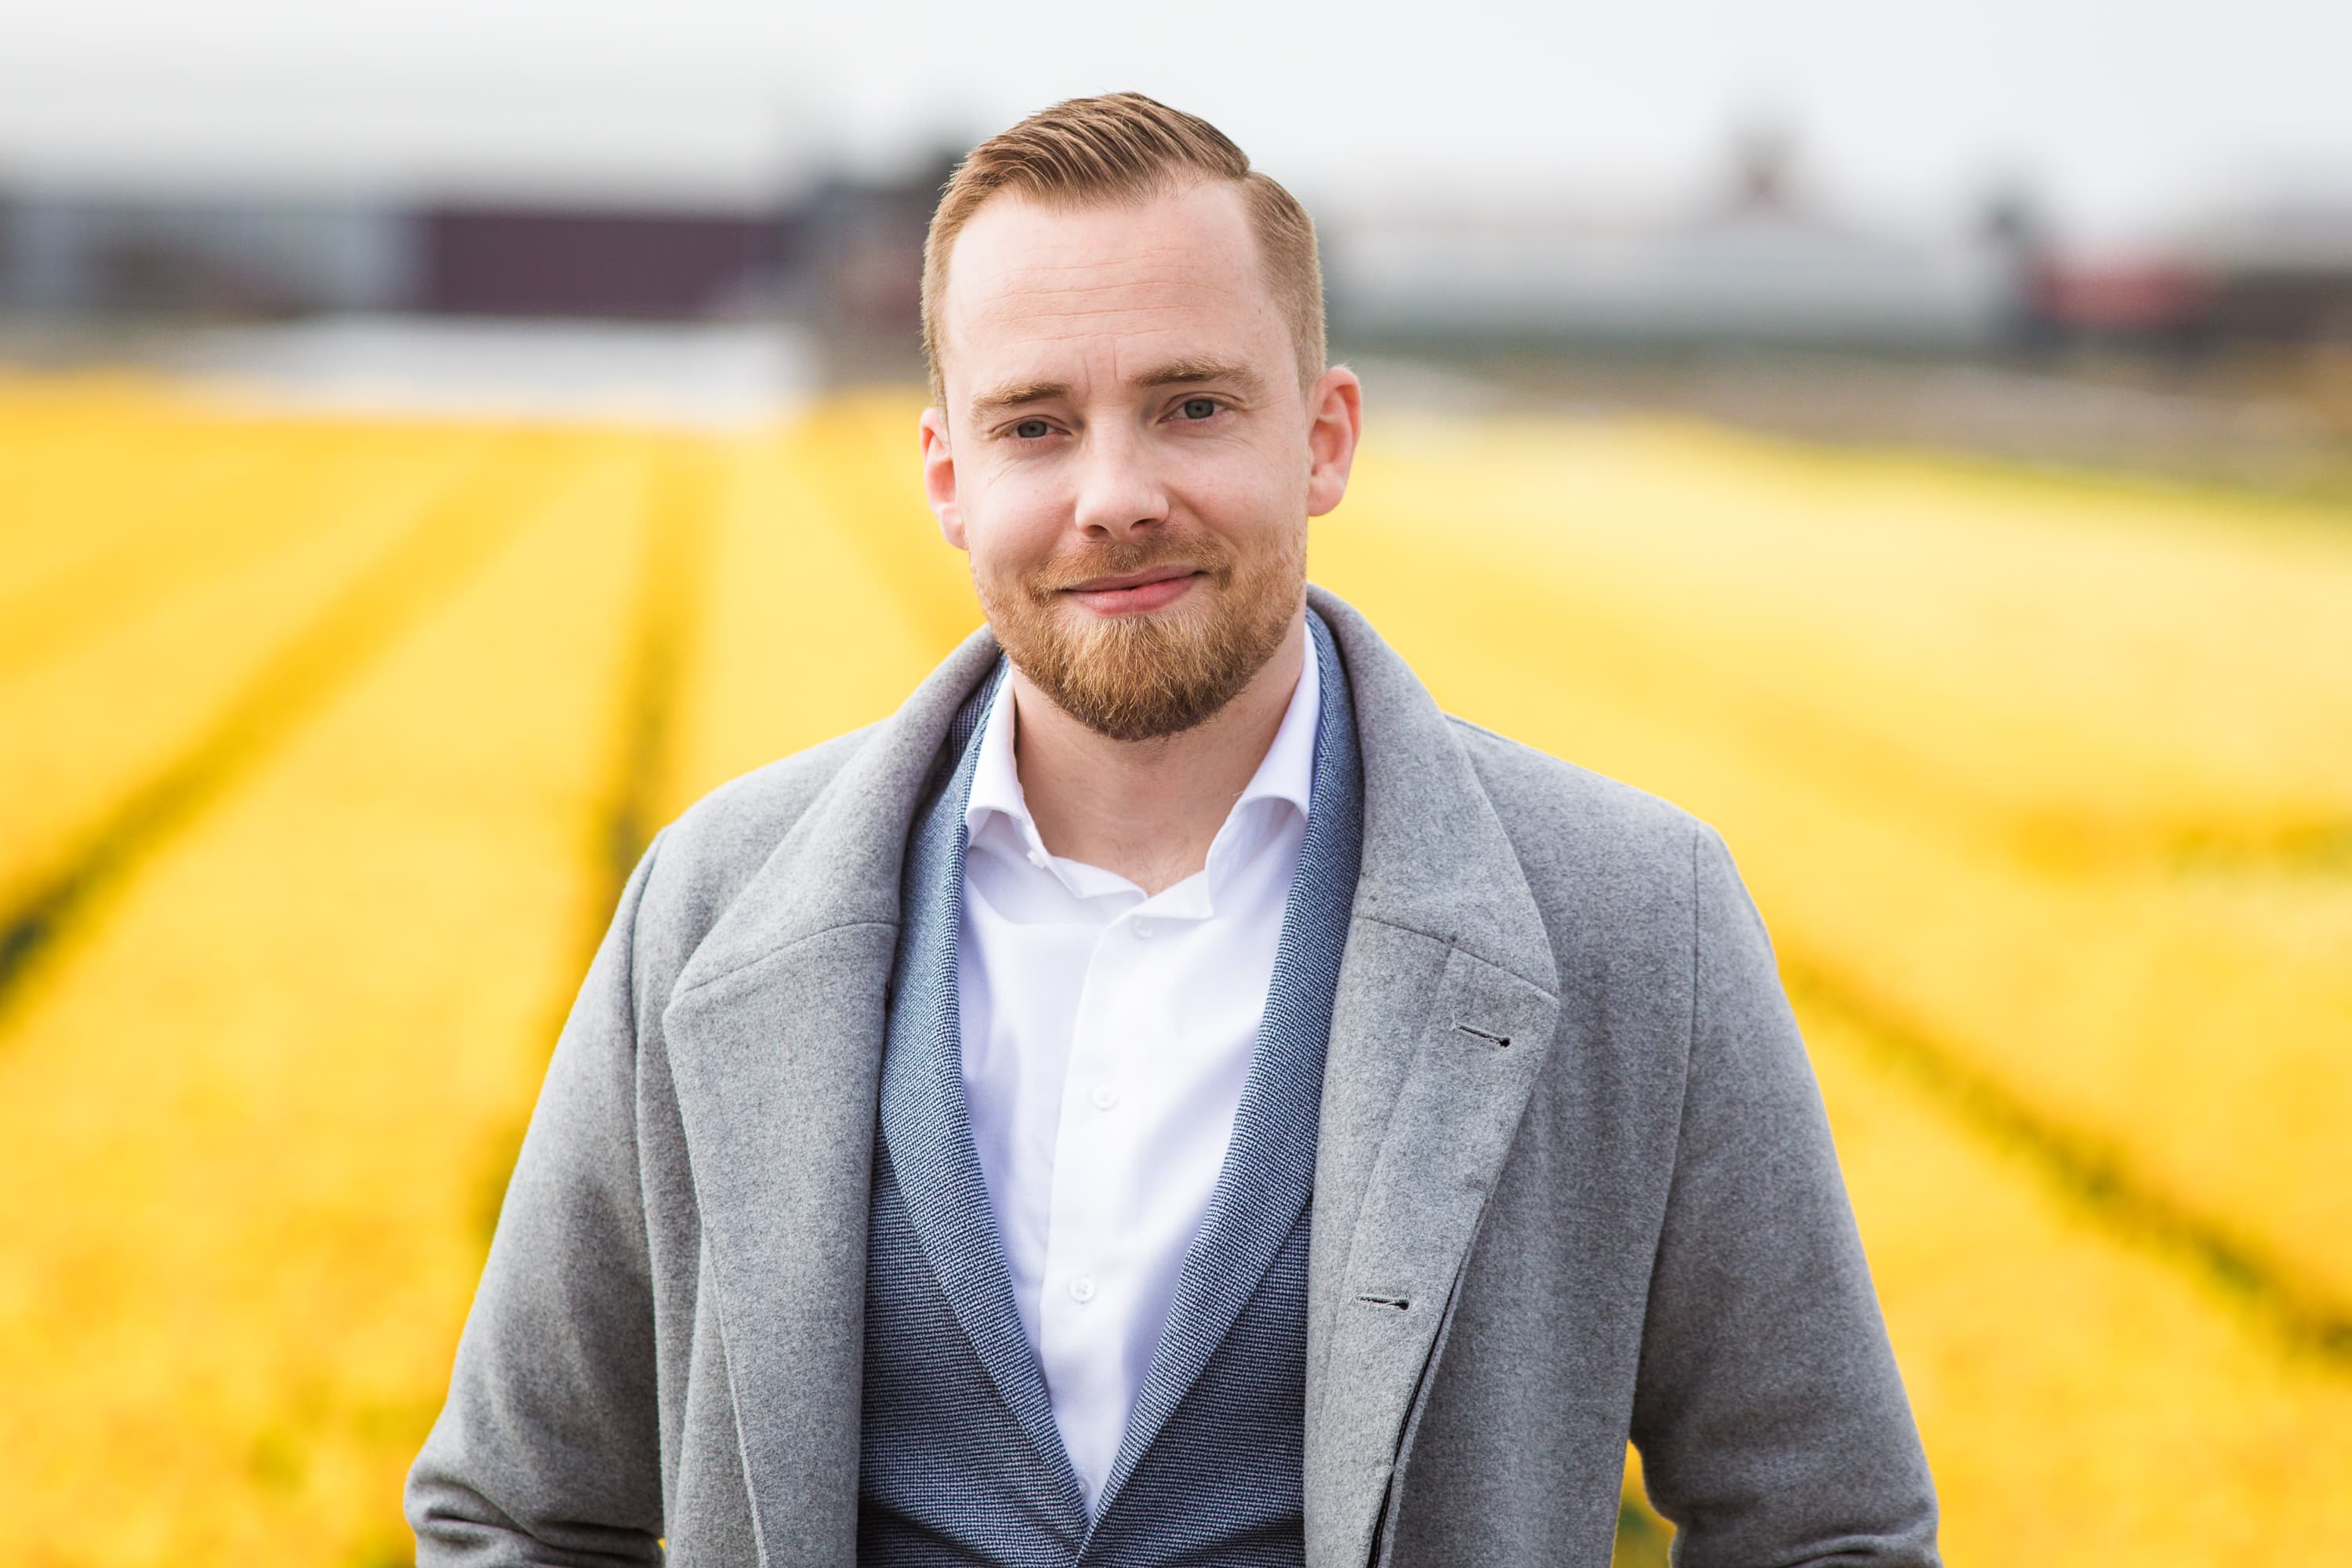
{"x":1169,"y":1094}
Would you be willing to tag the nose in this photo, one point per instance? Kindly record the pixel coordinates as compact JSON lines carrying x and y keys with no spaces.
{"x":1118,"y":492}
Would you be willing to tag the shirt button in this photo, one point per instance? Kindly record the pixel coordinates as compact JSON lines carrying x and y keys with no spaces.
{"x":1037,"y":858}
{"x":1082,"y":1289}
{"x":1142,"y":927}
{"x":1104,"y":1097}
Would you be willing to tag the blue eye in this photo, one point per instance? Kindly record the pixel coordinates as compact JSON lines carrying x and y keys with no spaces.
{"x":1199,"y":407}
{"x":1031,"y":429}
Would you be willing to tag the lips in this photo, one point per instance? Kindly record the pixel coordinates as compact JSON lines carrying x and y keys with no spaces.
{"x":1131,"y":580}
{"x":1134,"y":592}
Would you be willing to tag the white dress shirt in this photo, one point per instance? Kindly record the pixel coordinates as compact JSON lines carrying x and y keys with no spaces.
{"x":1106,"y":1038}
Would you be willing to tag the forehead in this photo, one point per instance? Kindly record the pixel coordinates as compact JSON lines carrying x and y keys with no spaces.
{"x":1032,"y":287}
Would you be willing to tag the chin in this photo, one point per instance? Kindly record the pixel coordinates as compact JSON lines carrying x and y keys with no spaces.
{"x":1148,"y":675}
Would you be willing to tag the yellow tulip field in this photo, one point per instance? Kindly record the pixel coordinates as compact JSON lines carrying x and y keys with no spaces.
{"x":325,"y":742}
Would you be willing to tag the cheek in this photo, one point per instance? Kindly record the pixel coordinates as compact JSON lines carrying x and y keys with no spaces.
{"x":1015,"y":520}
{"x":1245,"y":485}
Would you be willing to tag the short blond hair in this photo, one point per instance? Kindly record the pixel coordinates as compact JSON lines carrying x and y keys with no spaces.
{"x":1123,"y":146}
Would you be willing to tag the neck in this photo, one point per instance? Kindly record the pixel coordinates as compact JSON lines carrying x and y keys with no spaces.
{"x":1148,"y":809}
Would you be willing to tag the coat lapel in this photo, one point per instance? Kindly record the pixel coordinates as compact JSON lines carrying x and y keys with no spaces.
{"x":775,"y":1033}
{"x":1447,"y":996}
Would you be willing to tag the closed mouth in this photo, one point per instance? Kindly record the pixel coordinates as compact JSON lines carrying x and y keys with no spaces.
{"x":1131,"y":580}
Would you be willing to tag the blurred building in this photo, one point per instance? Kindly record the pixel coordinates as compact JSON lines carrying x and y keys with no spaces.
{"x":612,"y":263}
{"x":841,"y":259}
{"x":2282,"y":274}
{"x":2274,"y":276}
{"x":71,"y":253}
{"x":1763,"y":266}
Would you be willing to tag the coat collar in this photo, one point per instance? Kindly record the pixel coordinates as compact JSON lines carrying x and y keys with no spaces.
{"x":1436,"y":859}
{"x":1447,"y":998}
{"x":775,"y":1035}
{"x":840,"y":863}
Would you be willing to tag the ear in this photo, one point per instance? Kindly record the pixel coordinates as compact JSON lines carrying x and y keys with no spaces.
{"x":1335,"y":416}
{"x":940,"y":474}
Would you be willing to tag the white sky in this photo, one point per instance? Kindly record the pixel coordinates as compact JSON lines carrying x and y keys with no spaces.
{"x":2127,"y":119}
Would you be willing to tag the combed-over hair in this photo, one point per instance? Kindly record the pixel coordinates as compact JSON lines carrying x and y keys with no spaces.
{"x":1123,"y":146}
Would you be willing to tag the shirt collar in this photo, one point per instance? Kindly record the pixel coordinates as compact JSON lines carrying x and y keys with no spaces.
{"x":1286,"y":773}
{"x":1287,"y":770}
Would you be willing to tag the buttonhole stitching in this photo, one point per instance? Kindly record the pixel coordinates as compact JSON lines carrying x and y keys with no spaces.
{"x":1399,"y":1303}
{"x":1501,"y":1042}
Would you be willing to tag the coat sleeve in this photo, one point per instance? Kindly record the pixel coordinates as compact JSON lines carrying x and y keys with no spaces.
{"x":548,"y":1450}
{"x":1770,"y":1418}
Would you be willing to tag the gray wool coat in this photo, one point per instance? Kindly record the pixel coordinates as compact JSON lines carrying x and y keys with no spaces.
{"x":1574,"y":1184}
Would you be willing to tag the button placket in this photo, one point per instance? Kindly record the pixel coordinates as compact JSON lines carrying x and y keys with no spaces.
{"x":1082,"y":1210}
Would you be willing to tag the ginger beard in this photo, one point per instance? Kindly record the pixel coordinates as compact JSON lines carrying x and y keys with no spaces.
{"x":1155,"y":673}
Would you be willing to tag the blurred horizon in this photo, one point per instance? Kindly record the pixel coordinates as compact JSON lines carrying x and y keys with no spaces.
{"x":2050,"y":232}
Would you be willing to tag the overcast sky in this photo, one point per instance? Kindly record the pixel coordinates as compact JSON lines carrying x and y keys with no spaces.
{"x":2126,"y":118}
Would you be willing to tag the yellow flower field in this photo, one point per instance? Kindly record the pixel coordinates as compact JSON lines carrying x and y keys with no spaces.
{"x":323,"y":744}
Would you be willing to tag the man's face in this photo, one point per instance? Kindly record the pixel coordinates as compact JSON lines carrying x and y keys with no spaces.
{"x":1126,"y":451}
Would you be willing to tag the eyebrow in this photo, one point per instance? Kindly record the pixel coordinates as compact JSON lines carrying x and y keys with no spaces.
{"x":1190,"y":372}
{"x":1014,"y":394}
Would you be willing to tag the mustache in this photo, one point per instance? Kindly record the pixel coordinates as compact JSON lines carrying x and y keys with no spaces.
{"x":1120,"y":558}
